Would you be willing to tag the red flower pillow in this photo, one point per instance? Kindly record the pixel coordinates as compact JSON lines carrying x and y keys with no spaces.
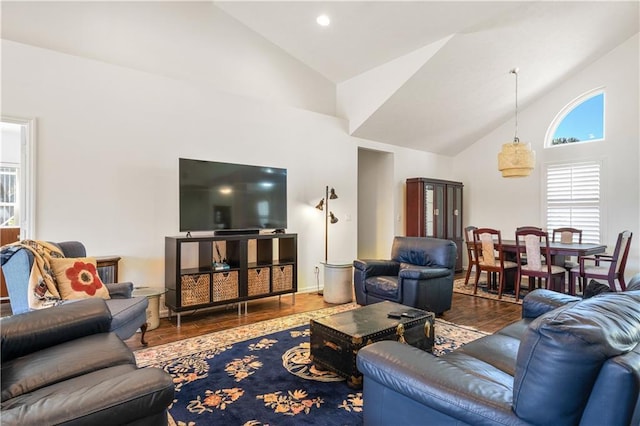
{"x":78,"y":278}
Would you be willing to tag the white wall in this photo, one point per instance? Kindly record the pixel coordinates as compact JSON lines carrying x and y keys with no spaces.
{"x":490,"y":200}
{"x":108,"y":142}
{"x":10,"y":143}
{"x":192,"y":41}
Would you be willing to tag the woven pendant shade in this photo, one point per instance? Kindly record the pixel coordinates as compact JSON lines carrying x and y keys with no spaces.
{"x":516,"y":159}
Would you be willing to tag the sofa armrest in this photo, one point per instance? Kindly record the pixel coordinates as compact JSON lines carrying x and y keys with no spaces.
{"x":35,"y":330}
{"x":374,"y":267}
{"x":448,"y":385}
{"x":120,"y":290}
{"x":541,"y":301}
{"x":422,"y":273}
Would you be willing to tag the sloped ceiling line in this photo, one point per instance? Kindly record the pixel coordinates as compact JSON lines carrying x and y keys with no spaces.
{"x":359,"y":97}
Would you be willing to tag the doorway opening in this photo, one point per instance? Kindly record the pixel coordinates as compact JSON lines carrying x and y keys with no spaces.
{"x":17,"y":183}
{"x":376,"y":203}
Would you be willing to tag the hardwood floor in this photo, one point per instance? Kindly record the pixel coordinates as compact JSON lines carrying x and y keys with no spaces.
{"x":484,"y":314}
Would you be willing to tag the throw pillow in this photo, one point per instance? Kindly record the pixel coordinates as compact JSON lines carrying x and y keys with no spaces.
{"x":78,"y":278}
{"x":594,"y":288}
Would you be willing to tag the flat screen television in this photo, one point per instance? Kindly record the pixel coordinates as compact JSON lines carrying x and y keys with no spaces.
{"x":228,"y":197}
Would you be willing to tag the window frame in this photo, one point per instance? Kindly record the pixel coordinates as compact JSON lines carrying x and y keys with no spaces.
{"x":567,"y":109}
{"x":601,"y":204}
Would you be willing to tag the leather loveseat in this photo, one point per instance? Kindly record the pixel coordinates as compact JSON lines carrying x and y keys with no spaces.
{"x":567,"y":362}
{"x":419,"y":274}
{"x":61,"y":365}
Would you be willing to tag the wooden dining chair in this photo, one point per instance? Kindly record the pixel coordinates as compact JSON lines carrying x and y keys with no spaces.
{"x":604,"y":266}
{"x":568,"y":236}
{"x":535,"y":244}
{"x":490,"y":257}
{"x":523,"y":257}
{"x":471,"y":254}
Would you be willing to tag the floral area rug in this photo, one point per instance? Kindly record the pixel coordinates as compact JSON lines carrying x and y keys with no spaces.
{"x":261,"y":374}
{"x":485,"y":292}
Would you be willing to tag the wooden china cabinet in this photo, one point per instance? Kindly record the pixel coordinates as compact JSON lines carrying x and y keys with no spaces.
{"x":434,"y":209}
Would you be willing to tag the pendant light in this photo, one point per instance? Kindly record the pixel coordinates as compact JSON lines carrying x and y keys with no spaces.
{"x":516,"y":159}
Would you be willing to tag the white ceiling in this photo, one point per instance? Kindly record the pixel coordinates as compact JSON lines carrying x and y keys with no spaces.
{"x":428,"y":75}
{"x":464,"y":90}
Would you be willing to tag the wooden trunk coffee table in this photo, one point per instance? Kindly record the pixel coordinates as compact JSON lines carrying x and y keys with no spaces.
{"x":336,"y":339}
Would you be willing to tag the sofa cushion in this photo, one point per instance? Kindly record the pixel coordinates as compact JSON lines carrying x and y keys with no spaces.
{"x":126,"y":312}
{"x":424,"y":251}
{"x":421,"y":273}
{"x":383,"y":287}
{"x":62,"y":362}
{"x":119,"y":394}
{"x":550,"y":374}
{"x":414,"y":257}
{"x":77,"y":278}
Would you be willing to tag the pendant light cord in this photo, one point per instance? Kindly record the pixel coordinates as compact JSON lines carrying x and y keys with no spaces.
{"x":515,"y":137}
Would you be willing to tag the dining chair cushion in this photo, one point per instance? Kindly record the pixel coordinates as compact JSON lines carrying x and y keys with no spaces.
{"x":595,"y":270}
{"x":570,"y":265}
{"x":555,"y":269}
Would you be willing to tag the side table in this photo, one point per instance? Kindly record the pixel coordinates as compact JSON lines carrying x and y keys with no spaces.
{"x":153,"y":310}
{"x":338,"y":282}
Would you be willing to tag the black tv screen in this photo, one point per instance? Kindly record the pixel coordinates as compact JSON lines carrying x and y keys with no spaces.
{"x":225,"y":196}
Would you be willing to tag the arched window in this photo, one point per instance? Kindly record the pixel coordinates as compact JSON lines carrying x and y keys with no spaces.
{"x":582,"y":120}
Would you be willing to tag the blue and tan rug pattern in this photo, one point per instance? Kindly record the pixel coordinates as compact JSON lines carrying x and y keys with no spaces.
{"x":484,"y":291}
{"x":260,"y":374}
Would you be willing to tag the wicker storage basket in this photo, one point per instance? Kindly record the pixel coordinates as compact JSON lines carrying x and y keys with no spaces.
{"x":258,"y":281}
{"x":196,"y":289}
{"x":225,"y":285}
{"x":282,"y":277}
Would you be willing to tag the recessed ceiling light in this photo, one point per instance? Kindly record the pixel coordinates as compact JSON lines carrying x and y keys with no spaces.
{"x":323,"y":20}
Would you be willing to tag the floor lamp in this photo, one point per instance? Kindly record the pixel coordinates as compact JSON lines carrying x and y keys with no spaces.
{"x":329,"y":217}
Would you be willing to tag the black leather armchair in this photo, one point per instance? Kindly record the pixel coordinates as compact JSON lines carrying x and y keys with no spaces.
{"x":567,"y":362}
{"x":61,"y":365}
{"x":419,"y":274}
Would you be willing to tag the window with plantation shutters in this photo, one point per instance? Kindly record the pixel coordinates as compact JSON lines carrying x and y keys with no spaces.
{"x":573,"y":198}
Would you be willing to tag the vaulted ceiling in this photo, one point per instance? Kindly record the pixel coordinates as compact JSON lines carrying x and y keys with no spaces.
{"x":434,"y":75}
{"x":428,"y":75}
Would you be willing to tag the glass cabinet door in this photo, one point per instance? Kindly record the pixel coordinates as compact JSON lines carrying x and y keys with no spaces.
{"x":434,"y":213}
{"x":454,"y":206}
{"x":429,"y":212}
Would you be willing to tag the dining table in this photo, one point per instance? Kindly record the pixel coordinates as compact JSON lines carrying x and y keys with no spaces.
{"x":558,"y":252}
